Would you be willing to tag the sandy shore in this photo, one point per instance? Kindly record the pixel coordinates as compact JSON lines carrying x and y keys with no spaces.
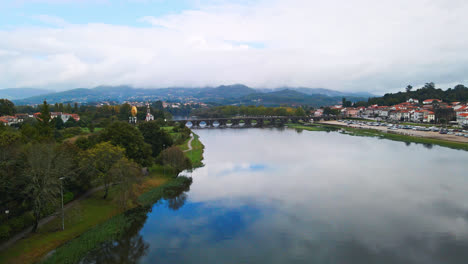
{"x":408,"y":132}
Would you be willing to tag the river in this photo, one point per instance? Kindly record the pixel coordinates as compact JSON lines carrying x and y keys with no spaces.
{"x":286,"y":196}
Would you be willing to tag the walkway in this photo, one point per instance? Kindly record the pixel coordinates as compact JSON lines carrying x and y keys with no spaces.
{"x":47,"y":219}
{"x":189,"y":144}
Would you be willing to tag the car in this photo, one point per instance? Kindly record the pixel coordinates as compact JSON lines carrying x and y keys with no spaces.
{"x":450,"y":133}
{"x":459,"y":134}
{"x":466,"y":135}
{"x":443,"y":131}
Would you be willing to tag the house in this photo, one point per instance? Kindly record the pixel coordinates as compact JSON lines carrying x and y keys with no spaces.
{"x":21,"y":117}
{"x":429,"y":101}
{"x":411,"y":100}
{"x":8,"y":120}
{"x":417,"y":115}
{"x":429,"y":117}
{"x":462,"y":119}
{"x":350,"y":112}
{"x":395,"y":115}
{"x":382,"y":111}
{"x":318,"y":113}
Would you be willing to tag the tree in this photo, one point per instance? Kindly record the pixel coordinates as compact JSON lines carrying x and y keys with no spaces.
{"x":99,"y":160}
{"x":59,"y":123}
{"x":299,"y":112}
{"x":155,"y":136}
{"x":44,"y":166}
{"x":44,"y":124}
{"x":125,"y":173}
{"x":124,"y":112}
{"x":130,"y":138}
{"x":409,"y":88}
{"x":68,"y":108}
{"x":7,"y":107}
{"x":175,"y":158}
{"x":71,"y":122}
{"x":346,"y":103}
{"x":75,"y":108}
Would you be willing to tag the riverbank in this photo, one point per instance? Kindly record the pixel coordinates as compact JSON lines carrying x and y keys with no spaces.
{"x":193,"y":149}
{"x":384,"y":133}
{"x":87,"y":214}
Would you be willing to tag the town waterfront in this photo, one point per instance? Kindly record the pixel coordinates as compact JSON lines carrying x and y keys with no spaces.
{"x":285,"y":196}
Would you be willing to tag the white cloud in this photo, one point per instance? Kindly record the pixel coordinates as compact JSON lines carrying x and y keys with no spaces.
{"x":345,"y":45}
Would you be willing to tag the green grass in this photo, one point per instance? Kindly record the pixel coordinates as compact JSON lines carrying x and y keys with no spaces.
{"x":196,"y":154}
{"x":81,"y":217}
{"x":386,"y":135}
{"x":94,"y":220}
{"x":86,"y":130}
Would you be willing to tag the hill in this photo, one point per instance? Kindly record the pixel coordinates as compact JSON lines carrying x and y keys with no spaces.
{"x":224,"y":94}
{"x":21,"y":93}
{"x":429,"y":91}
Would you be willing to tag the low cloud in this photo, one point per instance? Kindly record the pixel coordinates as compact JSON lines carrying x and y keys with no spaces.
{"x":361,"y":45}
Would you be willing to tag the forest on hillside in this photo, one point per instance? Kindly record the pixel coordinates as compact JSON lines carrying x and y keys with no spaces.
{"x":428,"y":91}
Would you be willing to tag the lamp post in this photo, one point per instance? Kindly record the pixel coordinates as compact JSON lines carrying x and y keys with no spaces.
{"x":164,"y":165}
{"x":7,"y":212}
{"x":63,"y":213}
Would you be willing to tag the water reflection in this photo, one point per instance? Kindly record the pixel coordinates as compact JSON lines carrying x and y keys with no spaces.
{"x":276,"y":196}
{"x":129,"y":249}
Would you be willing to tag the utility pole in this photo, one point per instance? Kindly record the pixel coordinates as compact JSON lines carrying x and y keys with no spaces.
{"x":63,"y":213}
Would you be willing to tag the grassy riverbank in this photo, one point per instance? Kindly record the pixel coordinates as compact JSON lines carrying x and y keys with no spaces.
{"x":196,"y":154}
{"x":375,"y":133}
{"x":94,"y":220}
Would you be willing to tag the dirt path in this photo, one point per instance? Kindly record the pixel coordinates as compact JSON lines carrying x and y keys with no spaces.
{"x":47,"y":219}
{"x":189,"y":144}
{"x":408,"y":132}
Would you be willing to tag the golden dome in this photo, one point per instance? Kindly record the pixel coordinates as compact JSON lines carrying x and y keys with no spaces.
{"x":134,"y":111}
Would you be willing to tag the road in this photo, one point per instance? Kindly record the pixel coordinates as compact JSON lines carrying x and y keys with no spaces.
{"x":408,"y":132}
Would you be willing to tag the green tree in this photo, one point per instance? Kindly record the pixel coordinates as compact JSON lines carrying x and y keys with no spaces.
{"x":299,"y":112}
{"x":75,"y":108}
{"x":68,"y":108}
{"x":99,"y":160}
{"x":59,"y":123}
{"x":175,"y":158}
{"x":126,"y":174}
{"x":7,"y":107}
{"x":130,"y":138}
{"x":71,"y":122}
{"x":44,"y":166}
{"x":44,"y":124}
{"x":409,"y":88}
{"x":346,"y":103}
{"x":155,"y":136}
{"x":124,"y":113}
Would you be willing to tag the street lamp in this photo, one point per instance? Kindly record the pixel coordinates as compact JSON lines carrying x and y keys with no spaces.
{"x":164,"y":165}
{"x":7,"y":212}
{"x":63,"y":213}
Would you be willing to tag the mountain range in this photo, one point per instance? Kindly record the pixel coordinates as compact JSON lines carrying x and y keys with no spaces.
{"x":224,"y":94}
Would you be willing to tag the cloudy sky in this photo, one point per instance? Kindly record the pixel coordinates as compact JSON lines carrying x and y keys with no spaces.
{"x":359,"y":45}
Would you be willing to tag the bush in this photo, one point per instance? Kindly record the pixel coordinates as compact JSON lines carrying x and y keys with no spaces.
{"x":4,"y":232}
{"x":68,"y":197}
{"x":19,"y":223}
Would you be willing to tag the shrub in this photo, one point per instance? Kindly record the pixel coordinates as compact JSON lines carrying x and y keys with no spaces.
{"x":4,"y":232}
{"x":68,"y":197}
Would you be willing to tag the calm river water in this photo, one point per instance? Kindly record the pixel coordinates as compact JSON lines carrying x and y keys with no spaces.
{"x":282,"y":196}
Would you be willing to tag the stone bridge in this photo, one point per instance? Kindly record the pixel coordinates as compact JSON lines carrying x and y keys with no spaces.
{"x":250,"y":121}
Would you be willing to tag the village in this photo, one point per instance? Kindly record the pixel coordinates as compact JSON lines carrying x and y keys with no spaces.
{"x":430,"y":111}
{"x":19,"y":118}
